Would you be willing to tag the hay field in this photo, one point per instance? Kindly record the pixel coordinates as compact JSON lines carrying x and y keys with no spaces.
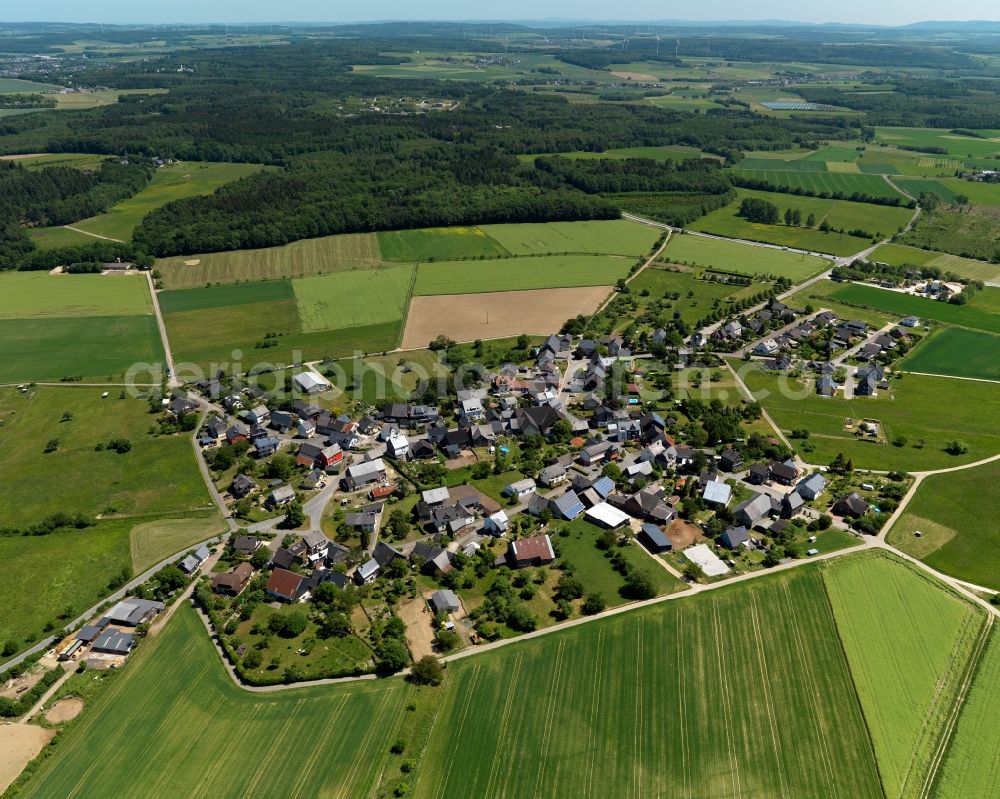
{"x":305,"y":257}
{"x":520,"y":274}
{"x":464,"y":317}
{"x":602,"y":237}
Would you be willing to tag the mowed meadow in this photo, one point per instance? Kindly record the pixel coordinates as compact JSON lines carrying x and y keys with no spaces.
{"x":92,"y":326}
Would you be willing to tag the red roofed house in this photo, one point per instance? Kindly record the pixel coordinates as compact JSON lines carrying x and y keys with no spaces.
{"x":329,"y":456}
{"x":285,"y":585}
{"x":533,"y":551}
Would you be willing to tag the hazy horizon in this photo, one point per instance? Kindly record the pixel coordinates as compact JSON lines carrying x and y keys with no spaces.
{"x":314,"y":11}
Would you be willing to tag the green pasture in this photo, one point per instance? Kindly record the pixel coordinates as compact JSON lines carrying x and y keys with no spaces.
{"x":437,"y":244}
{"x":875,"y":219}
{"x":520,"y":274}
{"x":300,"y":258}
{"x":747,"y":259}
{"x":18,"y":86}
{"x":895,"y":302}
{"x":758,"y":162}
{"x":955,"y":144}
{"x":95,"y":347}
{"x":972,"y":233}
{"x":599,"y":237}
{"x":173,"y":182}
{"x":955,"y":515}
{"x":918,"y":186}
{"x":907,"y":673}
{"x":703,"y":293}
{"x":34,"y":295}
{"x":77,"y":160}
{"x":353,"y":299}
{"x":928,"y":411}
{"x":957,"y":352}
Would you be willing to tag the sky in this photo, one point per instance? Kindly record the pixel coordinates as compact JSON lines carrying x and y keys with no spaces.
{"x":882,"y":12}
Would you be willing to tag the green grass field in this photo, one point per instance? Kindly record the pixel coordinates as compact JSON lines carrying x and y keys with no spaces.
{"x":956,"y":145}
{"x":764,"y":161}
{"x":353,"y":299}
{"x":55,"y":326}
{"x":908,"y":672}
{"x":957,"y":352}
{"x":156,"y":479}
{"x":306,"y":257}
{"x":77,"y":160}
{"x":732,"y":256}
{"x":898,"y":255}
{"x":437,"y":244}
{"x":844,"y":214}
{"x":704,"y":293}
{"x":35,"y":295}
{"x":77,"y":566}
{"x":917,"y":186}
{"x":601,"y":237}
{"x":151,"y":542}
{"x":18,"y":86}
{"x":174,"y":182}
{"x":955,"y":514}
{"x":973,"y":233}
{"x":657,"y":702}
{"x":894,"y":302}
{"x":225,"y":296}
{"x":972,"y":766}
{"x":914,"y":411}
{"x":822,"y":181}
{"x":520,"y":274}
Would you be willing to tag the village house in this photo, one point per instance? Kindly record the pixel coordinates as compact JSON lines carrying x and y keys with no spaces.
{"x":534,"y":551}
{"x":232,"y":582}
{"x":285,"y":585}
{"x":364,"y":473}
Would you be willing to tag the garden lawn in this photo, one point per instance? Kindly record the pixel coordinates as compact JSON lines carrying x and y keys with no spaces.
{"x":958,"y":352}
{"x":956,"y":515}
{"x":927,"y":409}
{"x":972,"y":766}
{"x":519,"y":274}
{"x":173,"y":182}
{"x":895,"y":302}
{"x":909,"y":642}
{"x":874,"y":219}
{"x":305,"y":257}
{"x":599,"y":237}
{"x":437,"y":244}
{"x":640,"y":703}
{"x":746,"y":259}
{"x":577,"y":543}
{"x":151,"y":542}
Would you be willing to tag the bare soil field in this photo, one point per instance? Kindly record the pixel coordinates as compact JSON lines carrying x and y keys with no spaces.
{"x":419,"y":633}
{"x":11,"y":689}
{"x":683,"y":534}
{"x":64,"y":710}
{"x":466,"y":317}
{"x":19,"y":743}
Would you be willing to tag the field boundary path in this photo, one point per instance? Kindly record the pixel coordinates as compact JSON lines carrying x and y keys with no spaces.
{"x":95,"y":235}
{"x":164,"y":341}
{"x":653,"y":256}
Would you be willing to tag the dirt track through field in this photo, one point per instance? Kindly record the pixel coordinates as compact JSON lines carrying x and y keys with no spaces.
{"x":466,"y":317}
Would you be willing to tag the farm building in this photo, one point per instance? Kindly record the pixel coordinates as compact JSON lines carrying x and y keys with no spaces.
{"x":311,"y":383}
{"x":534,"y":551}
{"x":608,"y":516}
{"x":654,"y":539}
{"x":568,"y":506}
{"x":444,"y":601}
{"x":133,"y":611}
{"x":364,"y":473}
{"x":113,"y":642}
